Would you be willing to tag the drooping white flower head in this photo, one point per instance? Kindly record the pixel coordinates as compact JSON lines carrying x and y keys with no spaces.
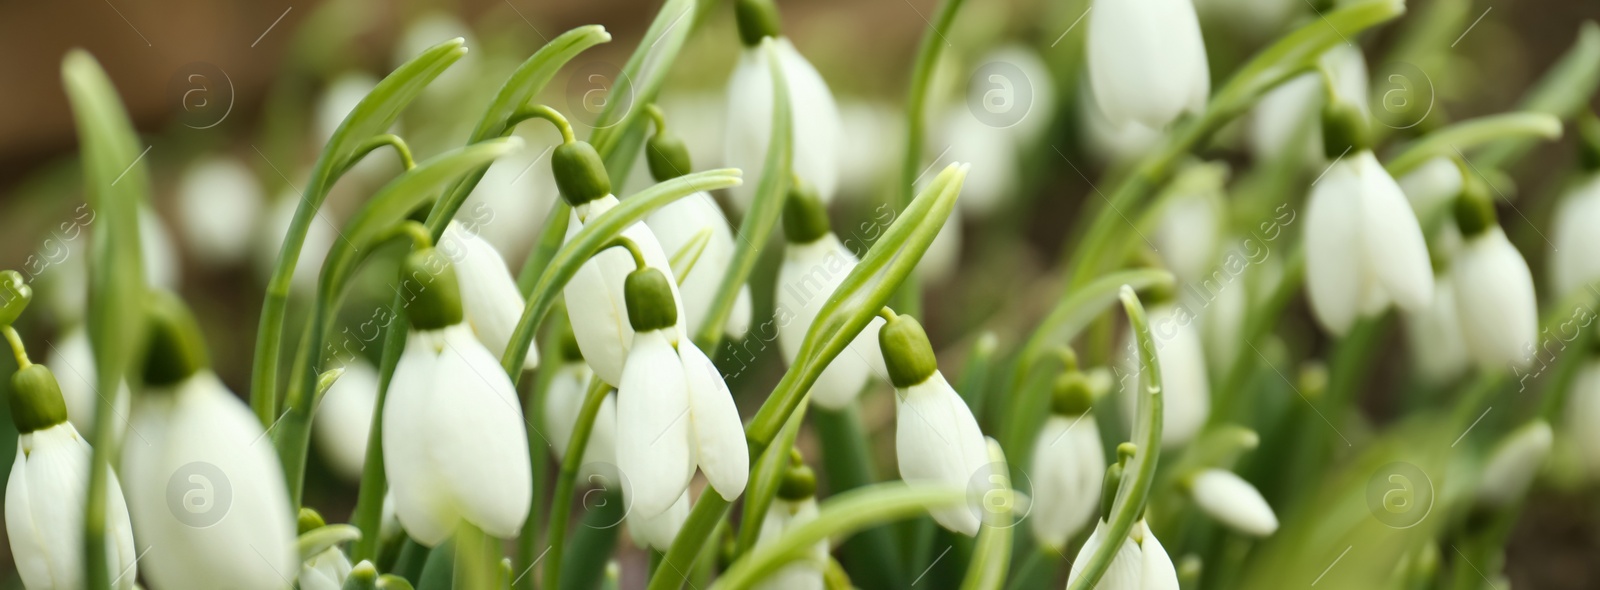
{"x":594,"y":295}
{"x":343,"y":420}
{"x":1234,"y":502}
{"x":816,"y":129}
{"x":72,"y":361}
{"x":1582,"y":413}
{"x":1183,"y":373}
{"x":679,"y":224}
{"x":324,"y":571}
{"x":220,"y":202}
{"x":562,"y":406}
{"x":489,"y":295}
{"x":1068,"y":465}
{"x":47,"y":489}
{"x":1147,"y":61}
{"x":206,"y":490}
{"x":1434,"y":335}
{"x":814,"y":265}
{"x":1189,"y":232}
{"x":674,"y":412}
{"x":1364,"y":247}
{"x":1513,"y":463}
{"x":1286,"y":119}
{"x":1495,"y":303}
{"x":1141,"y":563}
{"x":1572,"y":260}
{"x":1110,"y":143}
{"x":1432,"y":186}
{"x":454,"y":441}
{"x":937,"y":440}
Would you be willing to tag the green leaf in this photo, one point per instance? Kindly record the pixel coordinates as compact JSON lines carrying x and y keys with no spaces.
{"x":1140,"y":471}
{"x":323,"y":538}
{"x":372,"y":116}
{"x":524,"y":84}
{"x":116,"y":182}
{"x":992,"y":557}
{"x":1564,"y":91}
{"x":1464,"y":135}
{"x":617,"y":135}
{"x":765,"y":478}
{"x":840,"y":516}
{"x":765,"y":209}
{"x":589,"y":240}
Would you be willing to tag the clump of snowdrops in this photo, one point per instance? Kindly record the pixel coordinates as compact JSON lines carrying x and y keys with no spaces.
{"x":1157,"y":426}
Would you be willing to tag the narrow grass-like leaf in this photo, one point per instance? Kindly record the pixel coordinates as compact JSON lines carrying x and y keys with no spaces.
{"x":1464,"y":135}
{"x":765,"y":478}
{"x":991,"y":559}
{"x":617,"y":135}
{"x":315,"y":541}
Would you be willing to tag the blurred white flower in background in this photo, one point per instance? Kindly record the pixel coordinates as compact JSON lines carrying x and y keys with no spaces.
{"x":1573,"y":262}
{"x":489,"y":296}
{"x":1234,"y":502}
{"x":343,"y":421}
{"x":1069,"y":467}
{"x":1141,"y":563}
{"x":71,"y":359}
{"x":514,"y":199}
{"x":324,"y":571}
{"x":679,"y":223}
{"x":1513,"y":462}
{"x":1187,"y":389}
{"x":1495,"y":302}
{"x":219,"y":204}
{"x":1434,"y":334}
{"x":806,"y":572}
{"x":320,"y":236}
{"x":868,"y":161}
{"x":816,"y":126}
{"x":1111,"y":144}
{"x":1285,"y":120}
{"x":564,"y":402}
{"x":1147,"y":61}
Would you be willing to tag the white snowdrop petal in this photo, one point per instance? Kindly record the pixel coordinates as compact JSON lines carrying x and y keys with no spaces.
{"x":718,"y":432}
{"x":1434,"y":335}
{"x":1157,"y":572}
{"x":1572,"y":260}
{"x":653,"y":426}
{"x":477,"y":438}
{"x":1126,"y":570}
{"x":72,"y":361}
{"x":1434,"y":184}
{"x":1232,"y":500}
{"x":489,"y":296}
{"x":1348,"y":69}
{"x":1495,"y":300}
{"x":1188,"y":235}
{"x":1396,"y":252}
{"x":678,"y":224}
{"x":816,"y":141}
{"x":1513,"y":463}
{"x":808,"y":277}
{"x":1146,"y":60}
{"x":1335,"y":278}
{"x":563,"y":401}
{"x":44,"y":511}
{"x":938,"y":441}
{"x":1068,"y":469}
{"x":657,"y":532}
{"x":421,"y":505}
{"x":594,"y":295}
{"x":1289,"y":113}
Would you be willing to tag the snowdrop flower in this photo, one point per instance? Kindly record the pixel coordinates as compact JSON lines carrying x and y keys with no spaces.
{"x":454,"y":443}
{"x":595,"y":294}
{"x":219,"y":203}
{"x":814,"y":265}
{"x":324,"y":571}
{"x":1495,"y":302}
{"x":1434,"y":333}
{"x":1513,"y":463}
{"x":45,"y":494}
{"x":343,"y":420}
{"x":1572,"y":261}
{"x":1433,"y":186}
{"x":1189,"y":231}
{"x":1233,"y":502}
{"x":1146,"y":60}
{"x":795,"y":505}
{"x":563,"y":403}
{"x":1183,"y":370}
{"x":936,"y":438}
{"x":1111,"y":143}
{"x":489,"y":295}
{"x":1287,"y":115}
{"x":1357,"y":206}
{"x":657,"y":532}
{"x":673,"y":410}
{"x":72,"y":361}
{"x":1141,"y":563}
{"x":993,"y":151}
{"x":680,"y":223}
{"x":817,"y":129}
{"x":1069,"y":464}
{"x":1583,"y":412}
{"x":207,"y":497}
{"x":339,"y":98}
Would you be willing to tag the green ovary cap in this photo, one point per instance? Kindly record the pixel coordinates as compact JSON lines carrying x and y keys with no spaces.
{"x":648,"y":295}
{"x":580,"y":173}
{"x":1072,"y":395}
{"x":757,"y":19}
{"x":36,"y":402}
{"x":805,"y":218}
{"x":799,"y":482}
{"x":428,"y":278}
{"x":667,"y":156}
{"x":1344,"y":129}
{"x":1474,"y":209}
{"x":174,"y":347}
{"x":907,"y":352}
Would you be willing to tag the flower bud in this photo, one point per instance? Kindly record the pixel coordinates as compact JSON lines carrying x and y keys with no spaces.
{"x":667,"y":156}
{"x":757,"y":19}
{"x":36,"y":401}
{"x":174,"y":348}
{"x":799,"y":481}
{"x":428,"y":276}
{"x":906,"y":352}
{"x":805,"y":219}
{"x":648,"y":295}
{"x":580,"y":173}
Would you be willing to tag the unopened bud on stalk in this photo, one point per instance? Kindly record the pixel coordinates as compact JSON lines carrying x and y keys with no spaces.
{"x":15,"y":294}
{"x":799,"y":481}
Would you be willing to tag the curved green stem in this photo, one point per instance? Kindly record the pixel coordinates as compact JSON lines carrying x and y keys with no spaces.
{"x":1140,"y":471}
{"x":632,"y":248}
{"x":401,"y":150}
{"x":657,"y":117}
{"x":540,"y":111}
{"x":842,"y":515}
{"x":566,"y":481}
{"x":20,"y":352}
